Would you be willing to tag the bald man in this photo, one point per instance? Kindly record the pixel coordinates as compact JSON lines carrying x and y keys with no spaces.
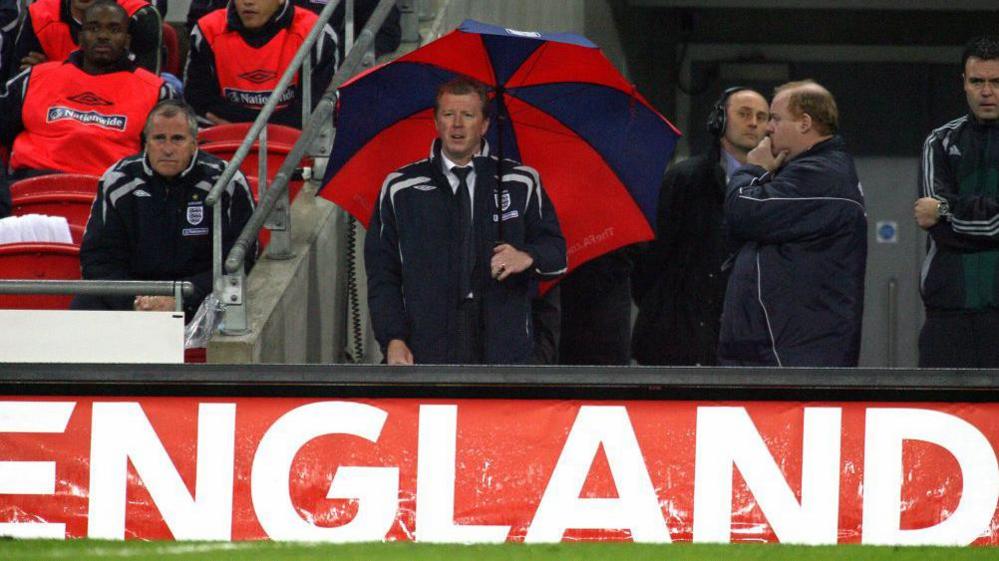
{"x":679,"y":283}
{"x":796,"y":292}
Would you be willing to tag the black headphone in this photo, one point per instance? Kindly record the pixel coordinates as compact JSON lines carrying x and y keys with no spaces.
{"x":718,"y":118}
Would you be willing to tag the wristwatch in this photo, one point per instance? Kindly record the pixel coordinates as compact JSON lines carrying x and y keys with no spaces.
{"x":943,"y":207}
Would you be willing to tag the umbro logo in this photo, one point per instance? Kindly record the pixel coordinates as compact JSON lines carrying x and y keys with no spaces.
{"x":954,"y":151}
{"x":258,"y":76}
{"x":89,"y":98}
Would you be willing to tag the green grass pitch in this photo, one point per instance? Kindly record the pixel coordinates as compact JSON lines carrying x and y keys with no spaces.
{"x":87,"y":550}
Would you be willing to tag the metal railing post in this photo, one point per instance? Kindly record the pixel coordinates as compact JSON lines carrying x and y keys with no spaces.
{"x":279,"y":217}
{"x":234,"y":303}
{"x":348,"y":25}
{"x":409,"y":21}
{"x":317,"y":120}
{"x":215,"y":194}
{"x":306,"y":83}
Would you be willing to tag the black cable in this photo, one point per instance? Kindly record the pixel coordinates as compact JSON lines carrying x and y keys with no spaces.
{"x":353,"y":301}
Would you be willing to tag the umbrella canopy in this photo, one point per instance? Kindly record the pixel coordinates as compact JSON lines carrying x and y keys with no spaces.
{"x":560,"y":107}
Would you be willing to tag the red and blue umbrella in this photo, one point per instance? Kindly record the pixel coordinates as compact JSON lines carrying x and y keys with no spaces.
{"x":562,"y":108}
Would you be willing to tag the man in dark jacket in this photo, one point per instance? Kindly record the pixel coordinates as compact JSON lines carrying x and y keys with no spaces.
{"x":959,"y":181}
{"x":238,"y":55}
{"x":452,"y":258}
{"x":796,"y":292}
{"x":679,"y":284}
{"x":149,"y":221}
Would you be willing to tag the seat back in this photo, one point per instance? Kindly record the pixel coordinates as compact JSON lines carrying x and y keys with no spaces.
{"x":38,"y":261}
{"x":171,"y":48}
{"x":276,"y":154}
{"x":56,"y":183}
{"x":68,"y":195}
{"x":238,"y":131}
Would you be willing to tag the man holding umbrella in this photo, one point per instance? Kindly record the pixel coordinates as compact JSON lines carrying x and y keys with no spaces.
{"x":457,"y":245}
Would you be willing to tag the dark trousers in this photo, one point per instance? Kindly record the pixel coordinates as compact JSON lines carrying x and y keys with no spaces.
{"x":960,"y":339}
{"x":468,"y":347}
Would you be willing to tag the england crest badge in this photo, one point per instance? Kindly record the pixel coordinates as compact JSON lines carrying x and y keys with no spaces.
{"x":195,"y":214}
{"x":505,"y":198}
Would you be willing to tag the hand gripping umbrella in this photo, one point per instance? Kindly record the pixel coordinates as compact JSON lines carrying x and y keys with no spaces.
{"x":561,"y":108}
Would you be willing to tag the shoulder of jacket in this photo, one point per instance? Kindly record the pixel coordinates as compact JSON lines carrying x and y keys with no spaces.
{"x":148,"y":78}
{"x":213,"y":23}
{"x":522,"y":171}
{"x":123,"y":178}
{"x":417,"y":168}
{"x":44,"y":12}
{"x":948,"y":130}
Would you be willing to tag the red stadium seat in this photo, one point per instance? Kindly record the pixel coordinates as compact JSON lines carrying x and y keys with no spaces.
{"x":38,"y":261}
{"x":276,"y":153}
{"x":56,"y":182}
{"x":237,"y":132}
{"x":171,"y":46}
{"x":64,"y":194}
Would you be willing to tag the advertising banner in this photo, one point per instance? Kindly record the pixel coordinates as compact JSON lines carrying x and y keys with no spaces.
{"x":479,"y":470}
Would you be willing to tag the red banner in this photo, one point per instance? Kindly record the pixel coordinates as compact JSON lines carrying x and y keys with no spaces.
{"x":499,"y":470}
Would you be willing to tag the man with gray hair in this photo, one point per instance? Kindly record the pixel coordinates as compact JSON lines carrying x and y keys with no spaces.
{"x":150,"y":222}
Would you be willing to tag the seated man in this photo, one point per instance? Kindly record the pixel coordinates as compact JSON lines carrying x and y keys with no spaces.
{"x":149,"y":221}
{"x":83,"y":114}
{"x":239,"y":53}
{"x":51,"y":31}
{"x":386,"y":40}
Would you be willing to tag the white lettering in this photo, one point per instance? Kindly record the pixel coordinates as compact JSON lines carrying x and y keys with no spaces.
{"x":637,"y":506}
{"x":32,"y":478}
{"x":122,"y":432}
{"x":375,"y":488}
{"x":435,"y":482}
{"x":727,"y":438}
{"x":886,"y":431}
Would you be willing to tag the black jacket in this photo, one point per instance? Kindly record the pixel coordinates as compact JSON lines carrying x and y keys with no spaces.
{"x":960,"y":166}
{"x":678,"y":282}
{"x":146,"y":227}
{"x":796,"y":292}
{"x":411,"y":257}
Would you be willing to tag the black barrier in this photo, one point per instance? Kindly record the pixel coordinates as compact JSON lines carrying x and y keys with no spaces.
{"x":514,"y":382}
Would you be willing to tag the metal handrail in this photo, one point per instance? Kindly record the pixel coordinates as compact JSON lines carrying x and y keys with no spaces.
{"x":319,"y":116}
{"x":229,"y":289}
{"x":177,"y":289}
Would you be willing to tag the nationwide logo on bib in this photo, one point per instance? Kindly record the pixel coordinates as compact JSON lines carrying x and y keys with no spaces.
{"x":255,"y":99}
{"x":112,"y":122}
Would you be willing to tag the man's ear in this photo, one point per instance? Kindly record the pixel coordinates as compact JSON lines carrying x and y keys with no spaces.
{"x":805,"y":123}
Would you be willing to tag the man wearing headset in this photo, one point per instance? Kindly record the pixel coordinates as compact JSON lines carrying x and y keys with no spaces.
{"x":679,"y":284}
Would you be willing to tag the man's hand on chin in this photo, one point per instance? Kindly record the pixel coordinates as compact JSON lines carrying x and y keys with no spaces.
{"x":763,"y":156}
